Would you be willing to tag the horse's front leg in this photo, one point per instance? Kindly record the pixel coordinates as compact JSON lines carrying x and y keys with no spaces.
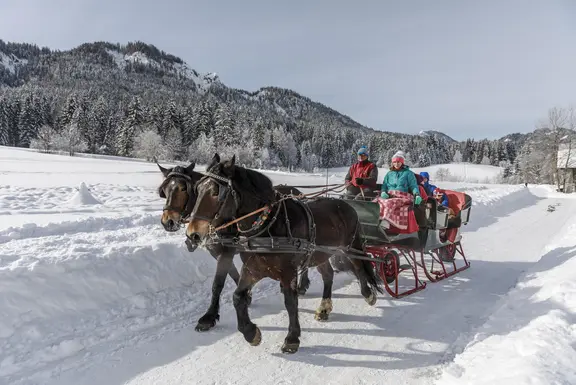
{"x":289,"y":289}
{"x":249,"y":330}
{"x":208,"y":320}
{"x":233,"y":272}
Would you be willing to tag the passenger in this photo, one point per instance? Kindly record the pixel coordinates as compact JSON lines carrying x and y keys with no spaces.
{"x":362,"y":176}
{"x":400,"y":178}
{"x":399,"y":190}
{"x":426,"y":183}
{"x":443,"y":203}
{"x":441,"y":197}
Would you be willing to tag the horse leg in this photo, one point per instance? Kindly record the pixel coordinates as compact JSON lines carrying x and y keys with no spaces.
{"x":304,"y":283}
{"x":208,"y":320}
{"x":233,"y":273}
{"x":289,"y":289}
{"x":249,"y":330}
{"x":325,"y":307}
{"x":367,"y":279}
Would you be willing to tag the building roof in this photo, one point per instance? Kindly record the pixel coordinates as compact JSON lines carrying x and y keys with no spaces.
{"x":566,"y":153}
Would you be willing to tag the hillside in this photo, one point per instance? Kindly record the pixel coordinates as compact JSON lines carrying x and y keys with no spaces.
{"x":136,"y":100}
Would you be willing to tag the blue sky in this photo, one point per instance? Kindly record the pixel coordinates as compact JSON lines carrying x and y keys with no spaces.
{"x":466,"y":68}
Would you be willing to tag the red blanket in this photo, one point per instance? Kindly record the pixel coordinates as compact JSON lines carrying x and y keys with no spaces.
{"x":395,"y":208}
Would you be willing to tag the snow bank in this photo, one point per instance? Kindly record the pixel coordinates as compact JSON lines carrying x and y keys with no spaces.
{"x":61,"y":291}
{"x":531,"y":337}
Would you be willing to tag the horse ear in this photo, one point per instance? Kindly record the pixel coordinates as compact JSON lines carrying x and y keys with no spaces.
{"x":165,"y":171}
{"x":229,"y":166}
{"x":190,"y":168}
{"x":216,"y":158}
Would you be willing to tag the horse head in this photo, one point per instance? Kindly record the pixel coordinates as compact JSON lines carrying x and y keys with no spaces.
{"x":220,"y":195}
{"x":178,"y":190}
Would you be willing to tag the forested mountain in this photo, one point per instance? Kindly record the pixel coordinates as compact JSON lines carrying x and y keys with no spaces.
{"x":136,"y":100}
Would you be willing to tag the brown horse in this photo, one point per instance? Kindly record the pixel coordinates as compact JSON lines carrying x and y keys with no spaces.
{"x":178,"y":190}
{"x":229,"y":191}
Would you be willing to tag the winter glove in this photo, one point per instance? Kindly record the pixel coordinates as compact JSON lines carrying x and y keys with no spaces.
{"x":359,"y":181}
{"x":417,"y":200}
{"x":384,"y":195}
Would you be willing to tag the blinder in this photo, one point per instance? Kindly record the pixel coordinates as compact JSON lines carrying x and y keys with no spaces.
{"x":225,"y":189}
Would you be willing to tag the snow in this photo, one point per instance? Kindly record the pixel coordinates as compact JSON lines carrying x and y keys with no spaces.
{"x":531,"y":337}
{"x":93,"y":290}
{"x":458,"y":172}
{"x":11,"y":62}
{"x":203,"y":81}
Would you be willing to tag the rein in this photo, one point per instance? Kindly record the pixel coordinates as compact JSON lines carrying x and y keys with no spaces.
{"x":311,"y":195}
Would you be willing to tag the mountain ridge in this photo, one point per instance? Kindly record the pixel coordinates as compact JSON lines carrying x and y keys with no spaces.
{"x":114,"y":93}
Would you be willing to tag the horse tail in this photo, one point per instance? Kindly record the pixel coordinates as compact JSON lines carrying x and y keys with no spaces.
{"x":374,"y":281}
{"x":372,"y":278}
{"x":342,"y":263}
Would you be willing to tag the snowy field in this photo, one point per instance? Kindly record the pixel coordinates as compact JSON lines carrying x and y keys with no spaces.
{"x":94,"y":291}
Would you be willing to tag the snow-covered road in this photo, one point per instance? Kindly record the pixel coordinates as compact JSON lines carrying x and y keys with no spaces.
{"x":397,"y":341}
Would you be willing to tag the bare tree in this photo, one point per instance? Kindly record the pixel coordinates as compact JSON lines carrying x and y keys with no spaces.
{"x":70,"y":139}
{"x":567,"y":141}
{"x":45,"y":139}
{"x":544,"y":150}
{"x":148,"y":145}
{"x":442,"y":174}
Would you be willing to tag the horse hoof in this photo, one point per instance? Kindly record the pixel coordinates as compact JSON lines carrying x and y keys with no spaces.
{"x":371,"y":299}
{"x":290,"y":348}
{"x":257,"y":338}
{"x":206,"y":322}
{"x":321,"y":316}
{"x":301,"y":291}
{"x":204,"y":327}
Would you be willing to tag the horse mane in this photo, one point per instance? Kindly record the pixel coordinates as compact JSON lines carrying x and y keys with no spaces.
{"x":255,"y":182}
{"x":251,"y":181}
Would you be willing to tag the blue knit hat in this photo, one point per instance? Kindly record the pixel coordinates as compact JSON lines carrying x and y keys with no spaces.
{"x":363,"y":151}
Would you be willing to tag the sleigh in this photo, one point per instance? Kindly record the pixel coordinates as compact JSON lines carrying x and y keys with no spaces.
{"x":431,"y":244}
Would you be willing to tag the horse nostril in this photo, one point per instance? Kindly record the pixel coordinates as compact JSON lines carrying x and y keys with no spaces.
{"x":194,"y":237}
{"x":169,"y":223}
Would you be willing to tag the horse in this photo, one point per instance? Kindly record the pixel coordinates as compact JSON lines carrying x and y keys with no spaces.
{"x":177,"y":189}
{"x":229,"y":191}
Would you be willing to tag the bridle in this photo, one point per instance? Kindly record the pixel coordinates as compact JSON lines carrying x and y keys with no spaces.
{"x":225,"y":190}
{"x":185,"y":214}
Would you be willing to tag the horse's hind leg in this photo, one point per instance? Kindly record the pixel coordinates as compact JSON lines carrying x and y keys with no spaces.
{"x":367,"y":279}
{"x":208,"y":320}
{"x":248,"y":329}
{"x":289,"y":289}
{"x":304,"y":283}
{"x":325,"y":307}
